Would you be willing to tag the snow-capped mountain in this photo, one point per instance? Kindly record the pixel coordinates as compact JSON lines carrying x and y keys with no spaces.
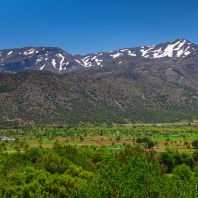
{"x":58,"y":61}
{"x":150,"y":83}
{"x":179,"y":48}
{"x":37,"y":58}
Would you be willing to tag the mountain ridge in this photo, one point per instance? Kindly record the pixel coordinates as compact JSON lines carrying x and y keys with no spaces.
{"x":56,"y":60}
{"x":97,"y":52}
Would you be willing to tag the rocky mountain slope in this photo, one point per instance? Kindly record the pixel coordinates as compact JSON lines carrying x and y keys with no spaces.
{"x":46,"y":98}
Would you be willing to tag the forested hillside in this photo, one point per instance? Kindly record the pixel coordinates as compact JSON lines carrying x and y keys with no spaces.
{"x":122,"y":97}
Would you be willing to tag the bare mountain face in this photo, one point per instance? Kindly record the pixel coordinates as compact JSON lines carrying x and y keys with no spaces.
{"x":156,"y":83}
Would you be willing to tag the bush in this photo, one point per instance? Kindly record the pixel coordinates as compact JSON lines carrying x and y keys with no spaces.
{"x":182,"y":172}
{"x":195,"y":144}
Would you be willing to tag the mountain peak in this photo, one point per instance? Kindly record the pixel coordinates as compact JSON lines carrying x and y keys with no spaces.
{"x":178,"y":48}
{"x":182,"y":40}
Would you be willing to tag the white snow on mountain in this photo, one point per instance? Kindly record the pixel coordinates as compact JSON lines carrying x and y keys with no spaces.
{"x":9,"y":53}
{"x":46,"y":58}
{"x":41,"y":68}
{"x":179,"y":48}
{"x":116,"y":55}
{"x":86,"y":62}
{"x":174,"y":49}
{"x":61,"y":61}
{"x":29,"y":52}
{"x":54,"y":62}
{"x":130,"y":53}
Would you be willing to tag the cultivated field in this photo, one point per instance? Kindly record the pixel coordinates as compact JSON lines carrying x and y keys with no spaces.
{"x":159,"y":137}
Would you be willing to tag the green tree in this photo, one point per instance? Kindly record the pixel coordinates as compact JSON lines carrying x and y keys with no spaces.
{"x":168,"y":160}
{"x":182,"y":172}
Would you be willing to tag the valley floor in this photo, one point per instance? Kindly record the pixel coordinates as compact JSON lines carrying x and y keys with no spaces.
{"x":160,"y":137}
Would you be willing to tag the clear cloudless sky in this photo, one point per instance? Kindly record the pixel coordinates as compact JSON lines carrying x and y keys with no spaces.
{"x":84,"y":26}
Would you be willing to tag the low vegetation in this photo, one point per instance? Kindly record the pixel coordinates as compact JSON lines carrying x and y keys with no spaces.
{"x":67,"y":171}
{"x":160,"y":137}
{"x":100,"y":161}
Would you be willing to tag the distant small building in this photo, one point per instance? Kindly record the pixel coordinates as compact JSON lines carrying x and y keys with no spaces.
{"x":6,"y":139}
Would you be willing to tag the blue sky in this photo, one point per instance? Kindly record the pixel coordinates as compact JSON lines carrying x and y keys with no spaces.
{"x":83,"y":26}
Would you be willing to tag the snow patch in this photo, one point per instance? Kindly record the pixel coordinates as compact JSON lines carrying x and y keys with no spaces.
{"x":130,"y":53}
{"x":124,"y":50}
{"x":54,"y":62}
{"x":61,"y":61}
{"x":9,"y":53}
{"x":41,"y":68}
{"x":86,"y":62}
{"x":98,"y":62}
{"x":77,"y":61}
{"x":116,"y":55}
{"x":29,"y":52}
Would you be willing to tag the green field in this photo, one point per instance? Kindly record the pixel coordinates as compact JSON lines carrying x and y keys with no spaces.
{"x":176,"y":137}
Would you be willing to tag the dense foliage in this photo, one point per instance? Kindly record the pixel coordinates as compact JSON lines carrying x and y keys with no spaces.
{"x":67,"y":171}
